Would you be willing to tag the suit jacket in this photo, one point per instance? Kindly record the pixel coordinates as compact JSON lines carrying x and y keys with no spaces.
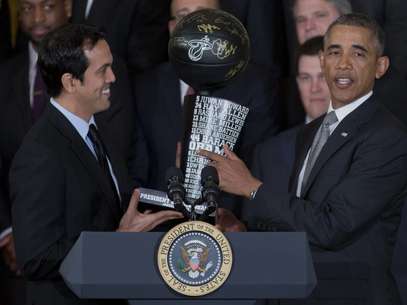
{"x":58,"y":190}
{"x":278,"y":153}
{"x":158,"y":101}
{"x":350,"y":206}
{"x":399,"y":264}
{"x":5,"y":39}
{"x":136,"y":30}
{"x":263,"y":20}
{"x":117,"y":124}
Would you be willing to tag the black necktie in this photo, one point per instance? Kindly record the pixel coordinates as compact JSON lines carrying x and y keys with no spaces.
{"x":102,"y":158}
{"x":40,"y":96}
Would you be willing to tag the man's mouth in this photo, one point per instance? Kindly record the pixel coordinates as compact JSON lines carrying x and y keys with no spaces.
{"x":39,"y":32}
{"x":106,"y":92}
{"x":343,"y":82}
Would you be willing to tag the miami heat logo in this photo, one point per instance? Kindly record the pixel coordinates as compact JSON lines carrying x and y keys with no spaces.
{"x":222,"y":49}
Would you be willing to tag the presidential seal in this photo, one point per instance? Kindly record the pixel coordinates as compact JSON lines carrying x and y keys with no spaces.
{"x":194,"y":258}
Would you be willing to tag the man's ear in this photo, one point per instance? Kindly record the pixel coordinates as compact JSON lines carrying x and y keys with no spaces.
{"x":69,"y":83}
{"x":171,"y":25}
{"x":321,"y":59}
{"x":382,"y":65}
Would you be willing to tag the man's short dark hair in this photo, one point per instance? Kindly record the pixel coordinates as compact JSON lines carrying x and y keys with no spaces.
{"x":62,"y":51}
{"x":311,"y":47}
{"x":342,"y":6}
{"x":361,"y":20}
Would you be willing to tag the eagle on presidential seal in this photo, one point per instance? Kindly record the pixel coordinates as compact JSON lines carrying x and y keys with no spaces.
{"x":195,"y":256}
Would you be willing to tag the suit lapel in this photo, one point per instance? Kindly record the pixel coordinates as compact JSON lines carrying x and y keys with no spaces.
{"x":303,"y":143}
{"x":78,"y":11}
{"x":343,"y":133}
{"x":86,"y":157}
{"x":101,"y":11}
{"x":21,"y":88}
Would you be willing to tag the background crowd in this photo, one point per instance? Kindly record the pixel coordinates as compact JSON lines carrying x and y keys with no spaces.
{"x":283,"y":86}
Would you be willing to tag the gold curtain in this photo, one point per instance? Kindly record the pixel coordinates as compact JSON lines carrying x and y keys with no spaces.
{"x":12,"y":5}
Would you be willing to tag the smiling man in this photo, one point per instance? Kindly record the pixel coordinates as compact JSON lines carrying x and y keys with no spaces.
{"x":350,"y":171}
{"x":23,"y":98}
{"x":64,"y":179}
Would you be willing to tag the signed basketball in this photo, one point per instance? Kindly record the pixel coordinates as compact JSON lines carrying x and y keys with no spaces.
{"x":208,"y":48}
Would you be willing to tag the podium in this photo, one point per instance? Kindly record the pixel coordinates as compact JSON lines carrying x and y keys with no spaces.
{"x":112,"y":265}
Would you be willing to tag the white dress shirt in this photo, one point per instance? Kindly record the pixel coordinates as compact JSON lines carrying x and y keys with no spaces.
{"x":32,"y":71}
{"x":88,"y":7}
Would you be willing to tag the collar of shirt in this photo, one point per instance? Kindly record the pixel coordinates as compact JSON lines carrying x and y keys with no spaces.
{"x":81,"y":126}
{"x":183,"y":90}
{"x":343,"y":111}
{"x":32,"y":69}
{"x":88,"y":7}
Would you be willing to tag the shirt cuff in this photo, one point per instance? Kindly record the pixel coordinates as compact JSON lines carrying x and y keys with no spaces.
{"x":5,"y":232}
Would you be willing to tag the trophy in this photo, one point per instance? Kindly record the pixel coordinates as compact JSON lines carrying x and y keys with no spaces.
{"x":208,"y":48}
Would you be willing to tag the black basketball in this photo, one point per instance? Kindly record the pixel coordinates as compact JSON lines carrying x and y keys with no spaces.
{"x":208,"y":48}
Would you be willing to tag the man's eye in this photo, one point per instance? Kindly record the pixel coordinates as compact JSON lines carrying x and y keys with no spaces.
{"x":321,"y":14}
{"x":304,"y":78}
{"x":300,"y":20}
{"x":25,"y":8}
{"x":333,"y":53}
{"x":48,"y":6}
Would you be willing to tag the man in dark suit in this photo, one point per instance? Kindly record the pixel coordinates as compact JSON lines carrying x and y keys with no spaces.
{"x":63,"y":179}
{"x":135,"y":29}
{"x":158,"y":99}
{"x":350,"y":171}
{"x":19,"y":93}
{"x":399,"y":264}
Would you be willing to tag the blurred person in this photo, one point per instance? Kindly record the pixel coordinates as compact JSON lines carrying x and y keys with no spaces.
{"x":305,"y":19}
{"x":78,"y":185}
{"x":135,"y":29}
{"x":313,"y":17}
{"x":314,"y":91}
{"x":263,"y":20}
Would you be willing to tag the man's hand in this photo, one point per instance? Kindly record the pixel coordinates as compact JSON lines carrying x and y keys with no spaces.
{"x":234,"y":176}
{"x":226,"y":221}
{"x":9,"y":252}
{"x":134,"y":221}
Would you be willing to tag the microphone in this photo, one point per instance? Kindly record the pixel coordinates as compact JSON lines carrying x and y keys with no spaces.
{"x":175,"y":188}
{"x":210,"y":189}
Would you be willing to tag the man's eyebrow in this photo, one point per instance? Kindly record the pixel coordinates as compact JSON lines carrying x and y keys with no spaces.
{"x":333,"y":46}
{"x":359,"y":47}
{"x":103,"y":67}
